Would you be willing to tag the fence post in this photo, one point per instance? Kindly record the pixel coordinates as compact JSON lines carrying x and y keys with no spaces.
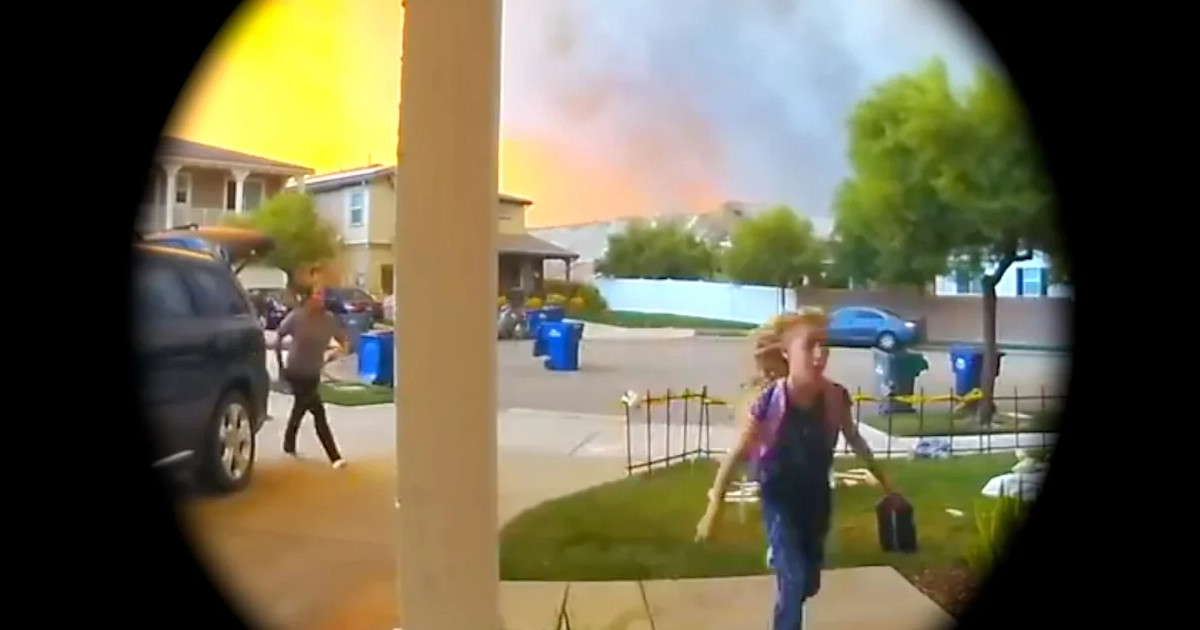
{"x":857,"y":416}
{"x":707,"y":422}
{"x":687,"y":404}
{"x":921,"y":413}
{"x":649,"y":439}
{"x":667,"y":444}
{"x":889,"y":400}
{"x":628,"y":440}
{"x":987,"y":429}
{"x":1017,"y":414}
{"x":1042,"y":397}
{"x":953,"y":415}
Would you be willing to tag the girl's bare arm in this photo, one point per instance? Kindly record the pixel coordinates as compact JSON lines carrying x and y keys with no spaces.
{"x":747,"y":437}
{"x":859,"y":445}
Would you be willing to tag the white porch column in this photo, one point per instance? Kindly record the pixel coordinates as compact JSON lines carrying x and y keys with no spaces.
{"x":301,"y":182}
{"x":172,"y":171}
{"x":445,"y":262}
{"x":239,"y":189}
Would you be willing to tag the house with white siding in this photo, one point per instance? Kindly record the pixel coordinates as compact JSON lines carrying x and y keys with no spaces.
{"x":1024,"y":279}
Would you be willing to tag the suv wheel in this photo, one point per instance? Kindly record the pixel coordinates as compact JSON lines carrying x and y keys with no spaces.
{"x":229,"y":458}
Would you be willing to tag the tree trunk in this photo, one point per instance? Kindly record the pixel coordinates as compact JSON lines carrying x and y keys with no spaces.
{"x":986,"y":409}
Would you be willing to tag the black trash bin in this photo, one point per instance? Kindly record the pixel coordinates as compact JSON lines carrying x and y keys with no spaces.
{"x":896,"y":374}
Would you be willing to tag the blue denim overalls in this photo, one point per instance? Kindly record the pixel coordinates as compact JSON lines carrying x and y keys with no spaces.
{"x":796,"y":500}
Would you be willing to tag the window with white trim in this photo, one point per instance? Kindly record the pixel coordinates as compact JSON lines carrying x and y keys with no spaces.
{"x":253,"y":193}
{"x":183,"y":188}
{"x":357,"y":203}
{"x":1033,"y":282}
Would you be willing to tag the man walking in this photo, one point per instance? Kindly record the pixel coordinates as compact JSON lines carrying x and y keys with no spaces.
{"x":311,"y":327}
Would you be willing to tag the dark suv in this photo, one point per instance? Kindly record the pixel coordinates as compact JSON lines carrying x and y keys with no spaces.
{"x":202,"y":358}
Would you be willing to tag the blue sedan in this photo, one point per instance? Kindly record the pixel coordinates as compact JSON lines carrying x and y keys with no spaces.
{"x":867,"y":326}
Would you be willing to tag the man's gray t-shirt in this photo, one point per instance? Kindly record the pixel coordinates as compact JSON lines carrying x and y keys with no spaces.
{"x":310,"y":333}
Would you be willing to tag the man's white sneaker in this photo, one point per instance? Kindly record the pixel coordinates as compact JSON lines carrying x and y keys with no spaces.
{"x":341,"y":463}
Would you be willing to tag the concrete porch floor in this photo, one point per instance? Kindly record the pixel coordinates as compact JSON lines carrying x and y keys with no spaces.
{"x":307,"y":547}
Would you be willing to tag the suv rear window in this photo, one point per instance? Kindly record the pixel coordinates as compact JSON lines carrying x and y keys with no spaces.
{"x":159,"y":292}
{"x":217,"y":294}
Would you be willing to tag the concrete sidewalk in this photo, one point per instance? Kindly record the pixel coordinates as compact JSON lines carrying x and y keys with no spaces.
{"x":310,"y":548}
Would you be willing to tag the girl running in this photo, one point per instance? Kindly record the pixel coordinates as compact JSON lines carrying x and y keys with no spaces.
{"x":789,"y":437}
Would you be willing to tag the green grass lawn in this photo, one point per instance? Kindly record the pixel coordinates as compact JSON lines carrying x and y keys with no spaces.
{"x":630,"y":319}
{"x":642,"y":527}
{"x":943,"y":422}
{"x":355,"y":394}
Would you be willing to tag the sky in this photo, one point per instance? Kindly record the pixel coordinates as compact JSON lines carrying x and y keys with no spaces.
{"x":609,"y":108}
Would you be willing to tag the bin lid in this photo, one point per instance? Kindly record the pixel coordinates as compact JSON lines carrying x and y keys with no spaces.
{"x":916,"y":362}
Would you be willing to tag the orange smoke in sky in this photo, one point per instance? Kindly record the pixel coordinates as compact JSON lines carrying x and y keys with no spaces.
{"x":283,"y":84}
{"x":570,"y":187}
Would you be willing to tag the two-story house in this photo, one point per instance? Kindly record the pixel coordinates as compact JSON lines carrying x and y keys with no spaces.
{"x":361,"y":203}
{"x":198,"y":183}
{"x":1024,"y":279}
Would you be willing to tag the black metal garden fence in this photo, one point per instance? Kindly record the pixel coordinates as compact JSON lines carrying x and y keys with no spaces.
{"x":680,"y":426}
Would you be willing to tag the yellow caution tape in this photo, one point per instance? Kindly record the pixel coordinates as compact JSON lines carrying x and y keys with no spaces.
{"x":971,"y":396}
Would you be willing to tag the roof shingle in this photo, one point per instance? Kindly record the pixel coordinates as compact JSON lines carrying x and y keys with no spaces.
{"x":531,"y":245}
{"x":188,"y":150}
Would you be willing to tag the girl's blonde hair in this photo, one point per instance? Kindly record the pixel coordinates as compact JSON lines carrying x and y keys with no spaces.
{"x":769,"y":361}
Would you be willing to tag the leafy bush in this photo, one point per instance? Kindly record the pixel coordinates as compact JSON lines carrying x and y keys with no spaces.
{"x":501,"y":301}
{"x":590,"y":300}
{"x":556,"y":299}
{"x":533,"y":302}
{"x":995,"y":521}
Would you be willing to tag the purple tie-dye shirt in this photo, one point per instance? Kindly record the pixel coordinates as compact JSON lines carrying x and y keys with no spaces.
{"x":770,"y":410}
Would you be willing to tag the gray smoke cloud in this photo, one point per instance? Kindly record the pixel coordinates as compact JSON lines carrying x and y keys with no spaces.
{"x":744,"y":98}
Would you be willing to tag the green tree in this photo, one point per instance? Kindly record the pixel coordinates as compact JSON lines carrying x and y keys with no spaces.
{"x":775,"y":248}
{"x":943,"y":181}
{"x":851,"y":261}
{"x":302,"y":237}
{"x":658,"y":250}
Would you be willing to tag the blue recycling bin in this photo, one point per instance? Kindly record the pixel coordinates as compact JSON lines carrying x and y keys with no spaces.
{"x":376,"y":358}
{"x":562,"y":341}
{"x":554,"y":313}
{"x":967,"y":364}
{"x":534,"y":318}
{"x":537,"y":330}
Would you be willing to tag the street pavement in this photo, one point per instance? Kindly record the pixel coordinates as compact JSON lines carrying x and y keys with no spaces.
{"x":611,"y":367}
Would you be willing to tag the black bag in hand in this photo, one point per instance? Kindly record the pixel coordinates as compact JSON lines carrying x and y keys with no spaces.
{"x":897,"y":528}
